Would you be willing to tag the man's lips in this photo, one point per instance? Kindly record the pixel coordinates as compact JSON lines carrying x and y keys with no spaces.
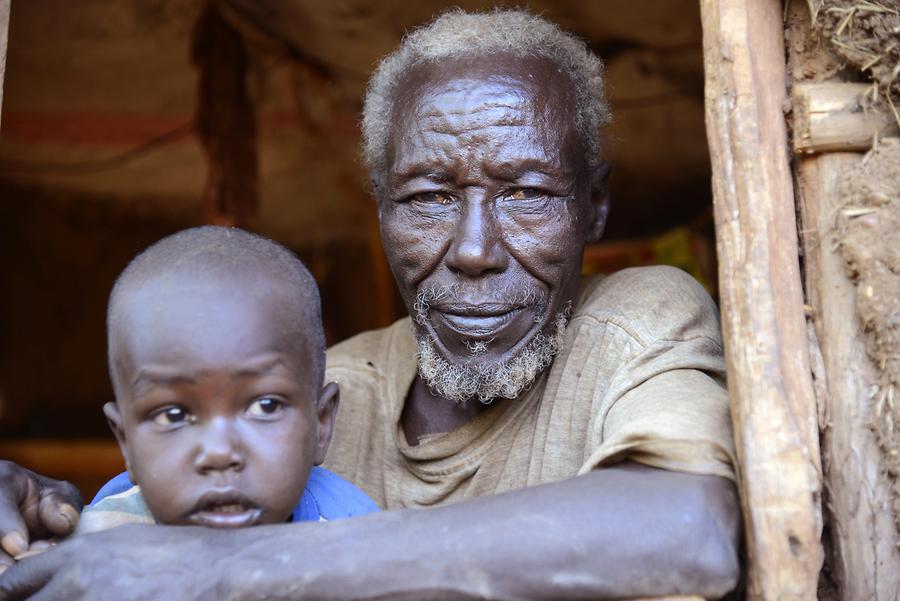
{"x":224,"y":508}
{"x":476,"y":321}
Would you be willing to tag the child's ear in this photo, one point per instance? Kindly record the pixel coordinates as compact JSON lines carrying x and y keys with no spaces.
{"x":326,"y":408}
{"x":114,"y":419}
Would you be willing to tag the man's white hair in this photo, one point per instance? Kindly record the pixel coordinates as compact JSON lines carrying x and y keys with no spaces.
{"x":458,"y":34}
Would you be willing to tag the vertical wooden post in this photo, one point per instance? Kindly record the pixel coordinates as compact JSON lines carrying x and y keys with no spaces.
{"x":766,"y":349}
{"x":4,"y":37}
{"x":831,"y":120}
{"x":225,"y":121}
{"x":865,"y":555}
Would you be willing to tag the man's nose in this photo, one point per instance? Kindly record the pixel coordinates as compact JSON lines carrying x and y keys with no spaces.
{"x":220,"y":448}
{"x":476,"y":248}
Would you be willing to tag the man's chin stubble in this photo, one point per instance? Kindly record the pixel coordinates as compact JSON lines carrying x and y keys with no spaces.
{"x":507,"y":379}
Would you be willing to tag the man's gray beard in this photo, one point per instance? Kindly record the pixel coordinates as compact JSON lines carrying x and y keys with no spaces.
{"x":507,"y":379}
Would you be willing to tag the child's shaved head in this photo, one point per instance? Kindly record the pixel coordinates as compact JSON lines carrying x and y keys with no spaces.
{"x":217,"y":358}
{"x":230,"y":257}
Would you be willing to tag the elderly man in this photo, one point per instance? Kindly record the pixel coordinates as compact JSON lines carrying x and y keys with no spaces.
{"x":539,"y":436}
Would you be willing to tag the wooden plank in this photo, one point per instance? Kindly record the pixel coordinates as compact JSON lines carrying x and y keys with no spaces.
{"x":834,"y":116}
{"x":766,"y":350}
{"x":225,"y":121}
{"x":670,"y":598}
{"x":675,"y":598}
{"x":866,"y":561}
{"x":86,"y":463}
{"x":75,"y":457}
{"x":4,"y":38}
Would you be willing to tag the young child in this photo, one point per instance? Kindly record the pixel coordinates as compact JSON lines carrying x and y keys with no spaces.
{"x":217,"y":360}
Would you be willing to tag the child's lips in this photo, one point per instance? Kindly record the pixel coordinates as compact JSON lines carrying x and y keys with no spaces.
{"x":224,"y":508}
{"x":226,"y":519}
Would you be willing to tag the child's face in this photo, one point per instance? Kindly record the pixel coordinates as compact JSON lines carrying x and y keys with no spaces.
{"x":219,"y":413}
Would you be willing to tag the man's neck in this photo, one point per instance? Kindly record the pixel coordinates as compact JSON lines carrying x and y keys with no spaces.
{"x":425,"y":413}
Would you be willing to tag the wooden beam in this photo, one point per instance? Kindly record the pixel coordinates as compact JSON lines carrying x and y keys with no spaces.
{"x":74,"y":458}
{"x":670,"y":598}
{"x":766,"y":350}
{"x":866,"y":561}
{"x":4,"y":38}
{"x":226,"y":121}
{"x":835,"y":117}
{"x":86,"y":463}
{"x":861,"y":538}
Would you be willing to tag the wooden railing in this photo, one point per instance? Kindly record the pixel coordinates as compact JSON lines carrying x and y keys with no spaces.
{"x":86,"y":463}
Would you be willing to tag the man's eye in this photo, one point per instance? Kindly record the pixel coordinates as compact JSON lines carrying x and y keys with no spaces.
{"x":265,"y":406}
{"x":439,"y":198}
{"x":523,"y":194}
{"x":171,"y":416}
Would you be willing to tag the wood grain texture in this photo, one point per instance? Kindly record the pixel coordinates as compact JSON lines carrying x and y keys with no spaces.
{"x":766,"y":349}
{"x":226,"y":121}
{"x":4,"y":38}
{"x":87,"y":463}
{"x":670,"y":598}
{"x":833,"y":116}
{"x":866,"y":562}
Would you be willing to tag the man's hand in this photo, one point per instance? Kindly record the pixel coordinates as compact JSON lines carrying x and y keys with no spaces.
{"x":128,"y":562}
{"x":33,"y":508}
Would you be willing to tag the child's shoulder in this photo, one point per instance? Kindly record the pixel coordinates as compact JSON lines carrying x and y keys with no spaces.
{"x":125,"y":507}
{"x":330,"y":497}
{"x":326,"y":497}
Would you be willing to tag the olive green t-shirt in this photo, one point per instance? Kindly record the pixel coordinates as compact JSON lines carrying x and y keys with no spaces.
{"x":641,"y":376}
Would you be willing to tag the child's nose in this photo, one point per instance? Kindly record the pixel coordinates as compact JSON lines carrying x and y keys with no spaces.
{"x":219,"y":448}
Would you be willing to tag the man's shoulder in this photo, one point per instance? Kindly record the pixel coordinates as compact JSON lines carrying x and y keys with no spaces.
{"x":369,"y":350}
{"x":358,"y":351}
{"x":374,"y":371}
{"x":650,"y":303}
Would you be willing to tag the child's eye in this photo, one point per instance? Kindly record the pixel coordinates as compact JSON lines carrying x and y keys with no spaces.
{"x":265,"y":406}
{"x":171,"y":416}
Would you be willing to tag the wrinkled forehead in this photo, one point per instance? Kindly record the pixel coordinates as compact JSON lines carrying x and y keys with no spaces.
{"x":502,"y":105}
{"x":488,"y":85}
{"x":489,"y":99}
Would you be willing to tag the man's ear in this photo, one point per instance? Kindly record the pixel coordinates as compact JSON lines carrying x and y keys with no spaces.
{"x":114,"y":419}
{"x":599,"y":201}
{"x":326,"y":408}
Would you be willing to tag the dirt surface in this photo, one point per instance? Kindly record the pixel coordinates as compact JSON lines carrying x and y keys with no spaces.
{"x":865,"y":34}
{"x":867,"y":229}
{"x":811,"y":57}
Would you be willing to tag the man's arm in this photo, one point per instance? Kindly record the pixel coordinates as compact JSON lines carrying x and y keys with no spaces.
{"x":619,"y":532}
{"x":33,"y":507}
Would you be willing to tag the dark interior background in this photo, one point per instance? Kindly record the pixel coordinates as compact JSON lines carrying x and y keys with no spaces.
{"x":99,"y":157}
